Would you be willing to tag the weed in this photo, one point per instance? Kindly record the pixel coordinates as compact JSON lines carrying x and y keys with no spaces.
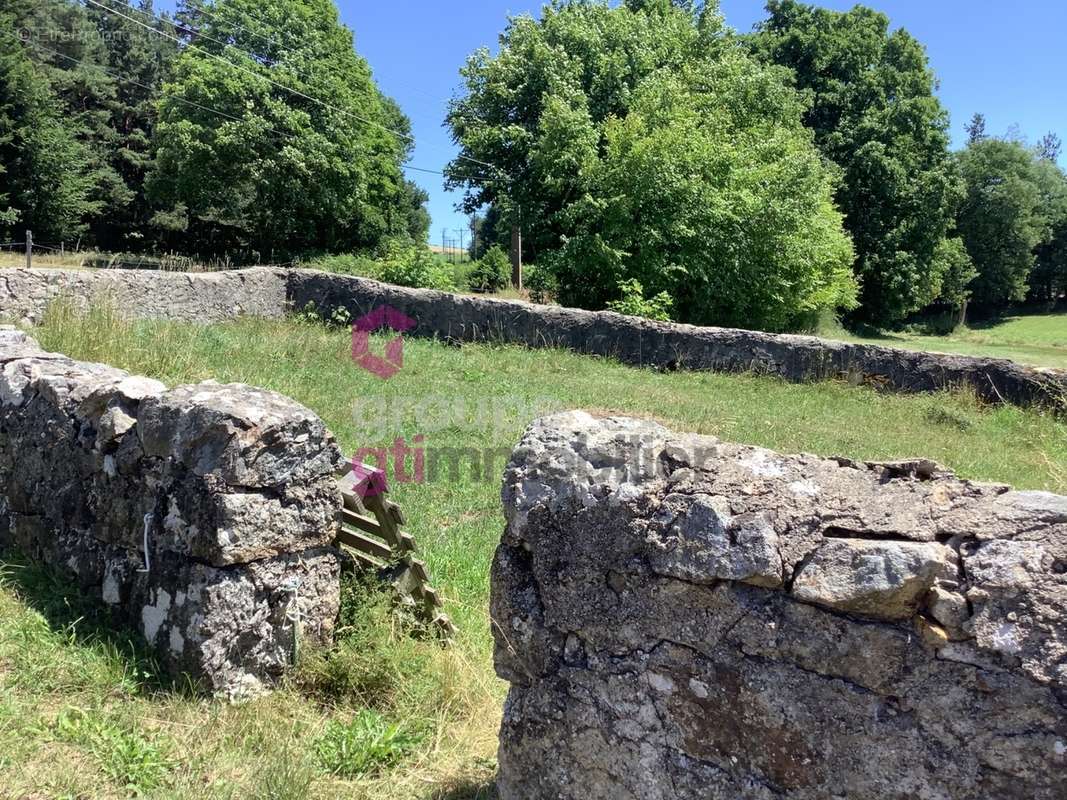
{"x":133,"y":762}
{"x":365,"y":746}
{"x":286,"y":776}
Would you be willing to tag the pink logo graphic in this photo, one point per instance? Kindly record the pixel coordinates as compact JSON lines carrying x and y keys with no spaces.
{"x":369,"y":481}
{"x":387,"y":365}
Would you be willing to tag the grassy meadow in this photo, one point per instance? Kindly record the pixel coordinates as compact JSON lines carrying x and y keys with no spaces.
{"x":84,"y":713}
{"x":1036,"y":339}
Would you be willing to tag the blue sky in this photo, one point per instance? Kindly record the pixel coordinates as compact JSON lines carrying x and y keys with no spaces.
{"x":1007,"y":60}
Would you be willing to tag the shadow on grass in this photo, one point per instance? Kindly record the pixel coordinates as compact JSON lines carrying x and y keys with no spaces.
{"x":468,"y":790}
{"x":865,"y":331}
{"x":989,"y":323}
{"x":85,"y":623}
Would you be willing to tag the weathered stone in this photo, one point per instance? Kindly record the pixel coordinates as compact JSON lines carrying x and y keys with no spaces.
{"x":681,"y":617}
{"x":887,"y":580}
{"x":201,"y":514}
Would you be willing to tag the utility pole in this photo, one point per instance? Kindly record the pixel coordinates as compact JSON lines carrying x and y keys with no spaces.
{"x":444,"y":242}
{"x":474,"y":236}
{"x":460,"y":232}
{"x":516,"y":251}
{"x":29,"y":249}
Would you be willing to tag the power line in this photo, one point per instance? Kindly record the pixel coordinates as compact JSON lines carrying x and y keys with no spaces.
{"x":274,"y":83}
{"x":214,"y":15}
{"x":209,"y":109}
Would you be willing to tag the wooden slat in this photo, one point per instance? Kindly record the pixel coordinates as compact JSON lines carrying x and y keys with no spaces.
{"x":351,"y":502}
{"x":365,"y":524}
{"x":419,"y":568}
{"x":395,"y":512}
{"x":444,"y":622}
{"x":390,"y":532}
{"x":364,"y":544}
{"x":367,"y":560}
{"x":380,"y":517}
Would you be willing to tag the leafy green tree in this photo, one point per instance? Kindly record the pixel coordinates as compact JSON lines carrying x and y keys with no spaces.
{"x":642,"y":143}
{"x":283,"y":173}
{"x":874,"y":114}
{"x":957,"y":271}
{"x":70,"y":52}
{"x":47,"y":171}
{"x":416,"y":216}
{"x":1001,"y":218}
{"x":1048,"y":279}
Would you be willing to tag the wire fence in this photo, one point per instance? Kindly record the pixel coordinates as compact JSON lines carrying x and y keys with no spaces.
{"x":62,"y":254}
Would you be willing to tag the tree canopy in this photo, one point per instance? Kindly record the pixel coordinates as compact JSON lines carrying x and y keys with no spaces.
{"x":284,"y":172}
{"x":49,"y":175}
{"x":642,"y":143}
{"x":130,"y":131}
{"x":1001,"y":219}
{"x":874,"y":114}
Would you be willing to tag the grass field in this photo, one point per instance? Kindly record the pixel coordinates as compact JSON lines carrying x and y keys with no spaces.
{"x":1036,"y":339}
{"x":84,"y":714}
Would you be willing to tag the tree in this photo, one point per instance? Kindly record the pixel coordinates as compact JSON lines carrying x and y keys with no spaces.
{"x":47,"y":171}
{"x":642,"y":143}
{"x":975,"y":128}
{"x":1048,"y":149}
{"x":957,"y":270}
{"x":1048,"y":279}
{"x":283,"y":172}
{"x":67,"y":46}
{"x":1000,"y":220}
{"x":874,"y":114}
{"x":144,"y":60}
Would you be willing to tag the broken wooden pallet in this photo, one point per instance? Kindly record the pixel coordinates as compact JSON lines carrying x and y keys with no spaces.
{"x":370,"y":528}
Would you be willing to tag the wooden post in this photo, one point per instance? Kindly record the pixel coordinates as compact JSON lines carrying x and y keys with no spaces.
{"x":516,"y":256}
{"x":29,"y":249}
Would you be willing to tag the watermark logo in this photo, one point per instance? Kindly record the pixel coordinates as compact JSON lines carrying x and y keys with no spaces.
{"x":391,"y":361}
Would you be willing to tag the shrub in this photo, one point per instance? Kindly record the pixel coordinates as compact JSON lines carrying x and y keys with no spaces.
{"x":541,"y":283}
{"x":409,"y":264}
{"x":345,"y":264}
{"x":366,"y":745}
{"x":633,"y":302}
{"x":492,"y":273}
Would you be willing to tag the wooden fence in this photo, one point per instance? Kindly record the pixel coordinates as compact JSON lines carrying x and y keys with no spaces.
{"x":371,"y":529}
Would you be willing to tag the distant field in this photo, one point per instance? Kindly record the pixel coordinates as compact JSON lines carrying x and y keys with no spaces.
{"x":1036,"y":339}
{"x":82,"y":715}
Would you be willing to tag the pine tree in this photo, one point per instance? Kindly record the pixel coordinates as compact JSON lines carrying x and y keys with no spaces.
{"x":142,"y":60}
{"x":47,"y":169}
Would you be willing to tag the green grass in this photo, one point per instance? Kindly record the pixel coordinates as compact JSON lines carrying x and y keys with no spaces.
{"x":386,"y":715}
{"x":1036,"y":339}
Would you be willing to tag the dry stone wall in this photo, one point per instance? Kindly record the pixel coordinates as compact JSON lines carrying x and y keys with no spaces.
{"x":268,"y":292}
{"x":680,"y":617}
{"x":151,"y":294}
{"x":202,"y":515}
{"x":662,"y":345}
